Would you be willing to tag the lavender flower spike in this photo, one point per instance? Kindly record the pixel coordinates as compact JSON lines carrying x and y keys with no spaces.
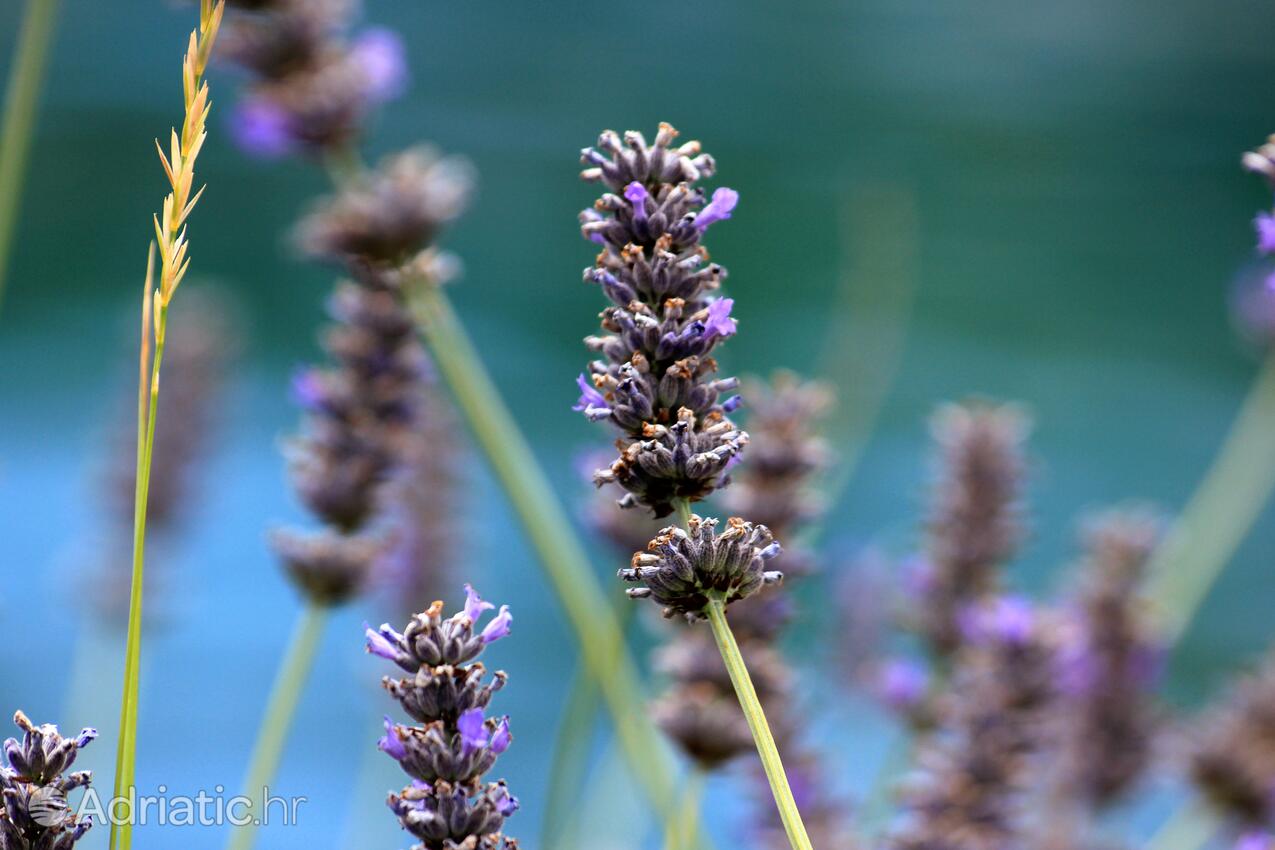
{"x":655,"y":377}
{"x":34,"y":784}
{"x":447,"y":803}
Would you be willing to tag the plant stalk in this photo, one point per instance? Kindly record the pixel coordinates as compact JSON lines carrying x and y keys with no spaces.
{"x":1220,"y":513}
{"x":126,"y":749}
{"x":18,"y":124}
{"x":681,"y":832}
{"x":748,"y":701}
{"x":596,"y":627}
{"x":294,"y":670}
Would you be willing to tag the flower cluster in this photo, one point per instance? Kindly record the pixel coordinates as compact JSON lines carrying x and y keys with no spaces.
{"x":974,"y":525}
{"x":683,"y":568}
{"x":1232,"y":759}
{"x":655,"y":379}
{"x":359,"y":419}
{"x":447,"y":806}
{"x":313,"y":86}
{"x":1110,"y":661}
{"x":34,"y":784}
{"x":974,"y":768}
{"x":382,"y":219}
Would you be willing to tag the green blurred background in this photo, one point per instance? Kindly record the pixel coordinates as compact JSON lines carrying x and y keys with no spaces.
{"x":1079,"y":216}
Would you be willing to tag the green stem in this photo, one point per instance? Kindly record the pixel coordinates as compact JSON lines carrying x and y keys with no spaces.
{"x":1219,"y":514}
{"x":748,"y":701}
{"x":1189,"y":828}
{"x":683,"y":512}
{"x":126,"y":750}
{"x":18,"y":125}
{"x":563,"y":559}
{"x":569,"y":761}
{"x":289,"y":682}
{"x":680,"y":834}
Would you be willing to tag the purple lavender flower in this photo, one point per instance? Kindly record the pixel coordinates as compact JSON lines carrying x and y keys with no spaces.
{"x":719,"y":323}
{"x":635,"y":193}
{"x":473,"y":732}
{"x":498,"y":627}
{"x":34,"y":783}
{"x":902,"y":684}
{"x":390,"y":743}
{"x":591,"y":402}
{"x":379,"y":52}
{"x":447,"y":803}
{"x":262,"y":128}
{"x":718,"y":209}
{"x":655,"y":377}
{"x":1264,"y":224}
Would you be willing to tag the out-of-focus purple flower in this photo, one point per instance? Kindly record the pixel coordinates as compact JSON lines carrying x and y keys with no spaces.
{"x":589,"y":396}
{"x":262,"y":128}
{"x":1254,"y":839}
{"x":498,"y":627}
{"x":1007,"y":619}
{"x":635,"y":193}
{"x":390,"y":743}
{"x":719,"y":323}
{"x":475,"y":605}
{"x":718,"y":209}
{"x":307,"y":389}
{"x":902,"y":683}
{"x":1264,"y":224}
{"x":501,"y":738}
{"x":379,"y":53}
{"x":473,"y":731}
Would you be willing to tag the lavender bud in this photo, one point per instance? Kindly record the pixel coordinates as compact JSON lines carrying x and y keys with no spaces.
{"x":683,"y":569}
{"x":329,"y":567}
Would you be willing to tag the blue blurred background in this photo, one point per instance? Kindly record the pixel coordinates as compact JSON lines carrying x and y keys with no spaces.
{"x":1074,"y":216}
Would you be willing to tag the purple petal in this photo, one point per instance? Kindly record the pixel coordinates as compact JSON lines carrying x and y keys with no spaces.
{"x":589,"y":396}
{"x":719,"y":323}
{"x":474,"y":604}
{"x":501,"y":738}
{"x":498,"y":627}
{"x":635,"y":193}
{"x":379,"y":644}
{"x":718,"y":209}
{"x":506,"y":803}
{"x":473,"y":731}
{"x":307,"y":389}
{"x":732,"y":404}
{"x":379,"y":53}
{"x":87,"y":735}
{"x":390,"y":743}
{"x":1265,"y":226}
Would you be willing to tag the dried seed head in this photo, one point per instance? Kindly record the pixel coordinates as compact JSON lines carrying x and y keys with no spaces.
{"x":682,"y":569}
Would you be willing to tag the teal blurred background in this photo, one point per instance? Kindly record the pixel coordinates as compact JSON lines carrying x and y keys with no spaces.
{"x":1072,"y":171}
